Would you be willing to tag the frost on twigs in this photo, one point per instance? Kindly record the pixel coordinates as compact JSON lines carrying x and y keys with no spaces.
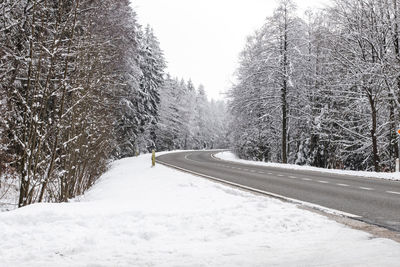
{"x":78,"y":85}
{"x":321,"y":88}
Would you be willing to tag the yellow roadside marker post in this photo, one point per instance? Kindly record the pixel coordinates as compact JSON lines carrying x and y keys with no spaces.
{"x":397,"y":168}
{"x":153,"y":158}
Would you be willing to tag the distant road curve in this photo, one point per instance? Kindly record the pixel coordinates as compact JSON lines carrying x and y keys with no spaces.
{"x":374,"y":201}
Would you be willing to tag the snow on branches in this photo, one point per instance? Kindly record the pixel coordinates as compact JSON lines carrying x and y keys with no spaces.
{"x":322,"y":90}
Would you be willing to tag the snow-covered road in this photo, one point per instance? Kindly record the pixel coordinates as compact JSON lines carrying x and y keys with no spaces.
{"x":141,"y":216}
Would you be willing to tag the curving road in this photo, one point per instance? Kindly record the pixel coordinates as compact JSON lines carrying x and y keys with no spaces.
{"x":371,"y":200}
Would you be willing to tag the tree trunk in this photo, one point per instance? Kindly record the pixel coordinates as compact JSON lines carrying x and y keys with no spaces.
{"x":373,"y":133}
{"x":284,"y":90}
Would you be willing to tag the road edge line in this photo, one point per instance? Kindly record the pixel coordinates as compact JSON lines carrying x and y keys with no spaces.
{"x":277,"y":196}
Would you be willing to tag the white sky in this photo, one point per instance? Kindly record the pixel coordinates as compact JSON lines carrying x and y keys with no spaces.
{"x":202,"y":39}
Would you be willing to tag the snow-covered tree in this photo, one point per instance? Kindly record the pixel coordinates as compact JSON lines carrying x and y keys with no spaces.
{"x":188,"y":120}
{"x":325,"y":87}
{"x":79,"y":81}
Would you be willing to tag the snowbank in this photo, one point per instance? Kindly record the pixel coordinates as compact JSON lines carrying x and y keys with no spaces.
{"x":227,"y":155}
{"x":136,"y":215}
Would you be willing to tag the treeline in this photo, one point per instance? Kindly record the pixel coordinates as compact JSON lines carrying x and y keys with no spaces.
{"x":80,"y":85}
{"x":188,"y":120}
{"x":323,"y":90}
{"x":78,"y":82}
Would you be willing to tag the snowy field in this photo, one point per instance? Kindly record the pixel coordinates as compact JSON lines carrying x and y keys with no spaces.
{"x":141,"y":216}
{"x":227,"y":155}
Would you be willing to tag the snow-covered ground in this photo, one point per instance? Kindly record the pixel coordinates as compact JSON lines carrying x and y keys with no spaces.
{"x":136,"y":215}
{"x":227,"y":155}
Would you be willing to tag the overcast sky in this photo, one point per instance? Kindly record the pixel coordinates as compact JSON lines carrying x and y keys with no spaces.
{"x":202,"y":39}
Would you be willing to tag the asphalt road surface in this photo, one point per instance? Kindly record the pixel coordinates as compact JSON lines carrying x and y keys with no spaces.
{"x":371,"y":200}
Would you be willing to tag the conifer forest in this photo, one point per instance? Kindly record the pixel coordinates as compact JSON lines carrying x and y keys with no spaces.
{"x":82,"y":83}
